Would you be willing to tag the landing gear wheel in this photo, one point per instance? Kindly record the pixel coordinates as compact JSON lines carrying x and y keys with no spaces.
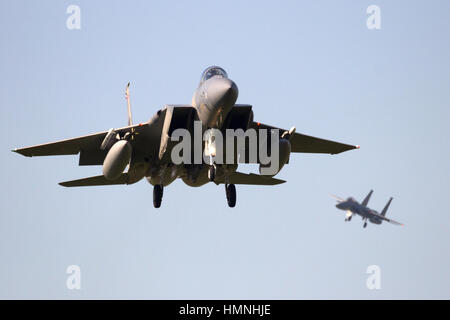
{"x":157,"y":195}
{"x":230,"y":190}
{"x":212,"y":173}
{"x":365,"y":224}
{"x":350,"y":218}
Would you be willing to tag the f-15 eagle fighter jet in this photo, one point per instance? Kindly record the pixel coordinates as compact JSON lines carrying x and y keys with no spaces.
{"x":188,"y":142}
{"x":351,"y":207}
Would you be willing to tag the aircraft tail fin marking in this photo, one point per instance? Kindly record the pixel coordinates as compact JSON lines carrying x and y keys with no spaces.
{"x":383,"y":213}
{"x":367,"y":198}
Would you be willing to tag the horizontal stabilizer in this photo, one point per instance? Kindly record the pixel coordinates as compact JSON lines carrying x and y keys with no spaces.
{"x":95,"y":181}
{"x":395,"y":222}
{"x":253,"y":179}
{"x":381,"y":217}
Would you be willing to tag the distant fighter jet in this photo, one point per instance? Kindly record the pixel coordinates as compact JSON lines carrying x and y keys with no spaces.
{"x":351,"y":206}
{"x":146,"y":147}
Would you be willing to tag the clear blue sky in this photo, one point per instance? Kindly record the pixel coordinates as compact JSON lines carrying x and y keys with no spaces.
{"x":314,"y":65}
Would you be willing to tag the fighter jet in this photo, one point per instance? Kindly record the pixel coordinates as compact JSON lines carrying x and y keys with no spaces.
{"x":146,"y":148}
{"x":351,"y":206}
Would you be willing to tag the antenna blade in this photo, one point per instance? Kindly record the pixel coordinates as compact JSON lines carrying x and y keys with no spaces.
{"x":127,"y":95}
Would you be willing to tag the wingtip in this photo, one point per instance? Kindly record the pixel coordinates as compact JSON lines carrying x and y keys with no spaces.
{"x":15,"y":150}
{"x":336,"y":197}
{"x":347,"y":147}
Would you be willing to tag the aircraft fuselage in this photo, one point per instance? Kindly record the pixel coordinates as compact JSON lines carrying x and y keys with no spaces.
{"x":214,"y":98}
{"x":357,"y":208}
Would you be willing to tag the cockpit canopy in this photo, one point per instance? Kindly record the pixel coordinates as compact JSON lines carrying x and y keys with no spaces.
{"x":213,"y":71}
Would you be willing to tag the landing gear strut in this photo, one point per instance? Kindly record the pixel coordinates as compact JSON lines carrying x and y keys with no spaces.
{"x":158,"y":190}
{"x":365,"y":224}
{"x":230,"y":190}
{"x":210,"y":150}
{"x":212,"y":173}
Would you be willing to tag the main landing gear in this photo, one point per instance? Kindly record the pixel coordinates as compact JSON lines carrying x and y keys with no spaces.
{"x":158,"y":191}
{"x":230,"y":191}
{"x":365,"y":224}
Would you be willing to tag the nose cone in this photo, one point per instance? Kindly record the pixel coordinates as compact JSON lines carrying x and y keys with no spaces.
{"x":339,"y":206}
{"x":222,"y":92}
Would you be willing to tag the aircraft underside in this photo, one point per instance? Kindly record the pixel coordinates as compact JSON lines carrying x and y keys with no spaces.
{"x":190,"y":142}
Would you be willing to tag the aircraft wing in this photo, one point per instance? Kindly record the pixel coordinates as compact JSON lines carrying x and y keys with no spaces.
{"x":308,"y":144}
{"x":381,"y":217}
{"x":74,"y":145}
{"x":251,"y":178}
{"x":145,"y":142}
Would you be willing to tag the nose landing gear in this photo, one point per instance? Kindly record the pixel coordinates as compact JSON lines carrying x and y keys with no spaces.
{"x":212,"y":173}
{"x":230,"y":191}
{"x":210,"y":150}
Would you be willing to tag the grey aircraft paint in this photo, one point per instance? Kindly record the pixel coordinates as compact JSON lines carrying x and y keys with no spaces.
{"x":351,"y":206}
{"x":146,"y":147}
{"x":215,"y":97}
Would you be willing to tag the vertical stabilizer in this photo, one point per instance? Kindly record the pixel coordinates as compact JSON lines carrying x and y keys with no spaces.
{"x":383,"y":213}
{"x":366,"y":199}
